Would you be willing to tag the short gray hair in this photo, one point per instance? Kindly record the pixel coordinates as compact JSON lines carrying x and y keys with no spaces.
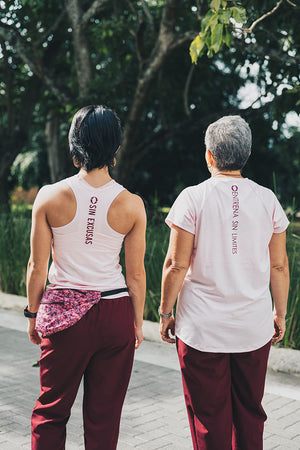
{"x":229,"y":141}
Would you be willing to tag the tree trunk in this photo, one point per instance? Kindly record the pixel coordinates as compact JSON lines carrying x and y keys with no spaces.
{"x":163,"y":47}
{"x":55,"y":156}
{"x":14,"y":130}
{"x":81,"y":48}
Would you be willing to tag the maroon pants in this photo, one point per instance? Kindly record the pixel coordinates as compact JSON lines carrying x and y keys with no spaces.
{"x":100,"y":348}
{"x":223,"y":394}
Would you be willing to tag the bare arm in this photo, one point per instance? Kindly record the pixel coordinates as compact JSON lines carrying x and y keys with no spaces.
{"x":279,"y":282}
{"x":174,"y":270}
{"x":40,"y":245}
{"x":135,"y":271}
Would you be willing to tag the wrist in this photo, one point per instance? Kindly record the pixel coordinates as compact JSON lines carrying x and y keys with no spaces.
{"x":29,"y":314}
{"x":279,"y":316}
{"x":164,"y":315}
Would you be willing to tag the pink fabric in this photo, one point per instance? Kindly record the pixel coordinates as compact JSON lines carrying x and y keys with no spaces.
{"x":225,"y":303}
{"x":86,"y":251}
{"x":62,"y":308}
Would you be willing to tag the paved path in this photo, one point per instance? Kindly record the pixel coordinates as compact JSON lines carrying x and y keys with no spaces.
{"x":154,"y":414}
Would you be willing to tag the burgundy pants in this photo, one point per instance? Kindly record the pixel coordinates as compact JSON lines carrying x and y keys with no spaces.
{"x":223,"y":394}
{"x":100,"y":348}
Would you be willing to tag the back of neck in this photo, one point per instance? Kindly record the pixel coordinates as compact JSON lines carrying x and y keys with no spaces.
{"x":96,"y":177}
{"x":226,"y":173}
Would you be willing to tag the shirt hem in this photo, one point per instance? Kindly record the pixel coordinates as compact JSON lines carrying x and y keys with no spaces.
{"x":281,"y":230}
{"x":170,"y":224}
{"x":52,"y":287}
{"x":208,"y":349}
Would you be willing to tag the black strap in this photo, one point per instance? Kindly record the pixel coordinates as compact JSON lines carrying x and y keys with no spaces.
{"x":29,"y":314}
{"x":113,"y":292}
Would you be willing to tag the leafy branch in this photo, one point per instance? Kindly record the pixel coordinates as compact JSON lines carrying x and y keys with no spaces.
{"x":218,"y":25}
{"x":216,"y":29}
{"x":11,"y":35}
{"x":264,"y":16}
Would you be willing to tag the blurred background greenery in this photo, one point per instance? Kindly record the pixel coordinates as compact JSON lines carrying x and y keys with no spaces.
{"x":133,"y":56}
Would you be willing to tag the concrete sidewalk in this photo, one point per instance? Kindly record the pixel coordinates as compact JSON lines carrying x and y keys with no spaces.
{"x":154,"y":415}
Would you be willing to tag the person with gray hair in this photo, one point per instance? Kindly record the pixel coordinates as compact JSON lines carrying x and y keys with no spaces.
{"x":229,"y":140}
{"x":227,"y":245}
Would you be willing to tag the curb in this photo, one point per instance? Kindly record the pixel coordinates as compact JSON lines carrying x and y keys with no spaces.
{"x":283,"y":360}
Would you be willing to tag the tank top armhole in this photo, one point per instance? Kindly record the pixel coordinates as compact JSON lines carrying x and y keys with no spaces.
{"x":121,"y":189}
{"x":71,"y":185}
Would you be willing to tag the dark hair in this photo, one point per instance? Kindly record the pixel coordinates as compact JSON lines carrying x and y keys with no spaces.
{"x":94,"y":137}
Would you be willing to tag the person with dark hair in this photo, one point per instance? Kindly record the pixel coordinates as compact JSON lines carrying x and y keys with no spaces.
{"x":227,"y":244}
{"x":88,"y":321}
{"x":94,"y":137}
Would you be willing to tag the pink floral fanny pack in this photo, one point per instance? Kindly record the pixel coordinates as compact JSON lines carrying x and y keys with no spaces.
{"x":61,"y":308}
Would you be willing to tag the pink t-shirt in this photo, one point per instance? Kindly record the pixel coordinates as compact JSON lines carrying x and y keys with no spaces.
{"x":225,"y":303}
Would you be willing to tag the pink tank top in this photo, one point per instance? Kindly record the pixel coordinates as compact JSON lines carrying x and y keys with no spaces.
{"x":86,"y":251}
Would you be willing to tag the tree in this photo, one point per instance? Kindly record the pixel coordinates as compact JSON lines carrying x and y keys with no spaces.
{"x":16,"y":112}
{"x":135,"y":54}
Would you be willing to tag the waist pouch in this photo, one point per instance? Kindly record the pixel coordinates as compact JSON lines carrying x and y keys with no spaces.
{"x":61,"y":308}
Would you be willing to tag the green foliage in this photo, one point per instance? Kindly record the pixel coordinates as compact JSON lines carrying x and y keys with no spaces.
{"x":157,"y":239}
{"x":292,"y":336}
{"x":216,"y":29}
{"x":14,"y":252}
{"x":176,"y":156}
{"x":25,"y":164}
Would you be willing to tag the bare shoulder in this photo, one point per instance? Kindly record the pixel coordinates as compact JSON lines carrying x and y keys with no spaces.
{"x":52,"y":195}
{"x":126,"y":211}
{"x":56,"y":202}
{"x":131,"y":203}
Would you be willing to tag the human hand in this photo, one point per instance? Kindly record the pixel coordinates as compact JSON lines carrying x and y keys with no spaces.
{"x":32,"y":333}
{"x":279,"y":327}
{"x":167,"y":329}
{"x":138,"y":336}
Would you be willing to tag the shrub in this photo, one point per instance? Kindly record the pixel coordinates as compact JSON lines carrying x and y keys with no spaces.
{"x":292,"y":335}
{"x":14,"y":252}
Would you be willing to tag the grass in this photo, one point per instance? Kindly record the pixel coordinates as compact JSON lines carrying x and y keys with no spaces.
{"x":14,"y":254}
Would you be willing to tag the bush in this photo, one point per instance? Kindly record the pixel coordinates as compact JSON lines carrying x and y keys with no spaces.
{"x":14,"y":252}
{"x":292,"y":335}
{"x":157,"y":240}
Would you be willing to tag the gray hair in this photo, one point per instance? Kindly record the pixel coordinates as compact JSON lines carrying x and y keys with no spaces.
{"x":229,"y":141}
